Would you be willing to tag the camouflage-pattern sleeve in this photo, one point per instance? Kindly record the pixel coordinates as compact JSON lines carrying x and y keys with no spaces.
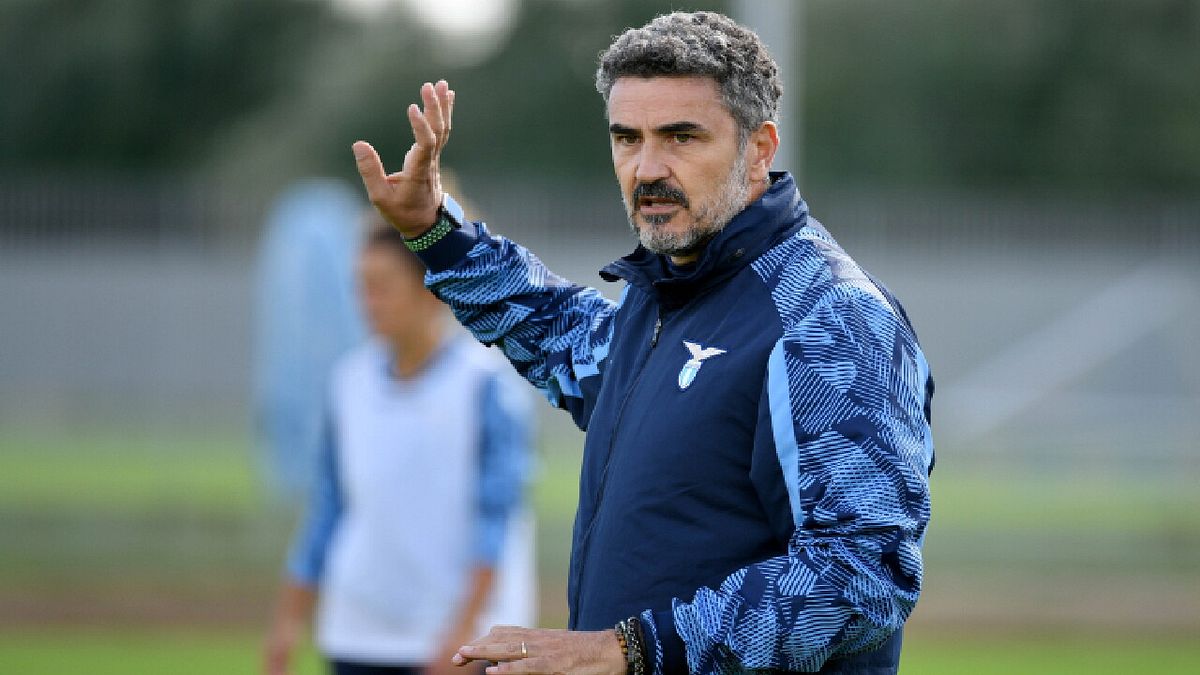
{"x":555,"y":333}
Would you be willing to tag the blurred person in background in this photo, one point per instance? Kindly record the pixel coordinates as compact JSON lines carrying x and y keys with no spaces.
{"x":754,"y":491}
{"x":306,"y":318}
{"x":416,"y":536}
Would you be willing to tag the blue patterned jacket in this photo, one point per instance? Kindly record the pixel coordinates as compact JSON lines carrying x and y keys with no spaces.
{"x":755,"y":471}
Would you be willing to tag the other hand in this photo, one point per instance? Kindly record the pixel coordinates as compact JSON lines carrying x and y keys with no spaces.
{"x":545,"y":651}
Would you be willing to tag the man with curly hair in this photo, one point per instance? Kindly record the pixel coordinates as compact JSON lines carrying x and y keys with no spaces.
{"x":754,"y":490}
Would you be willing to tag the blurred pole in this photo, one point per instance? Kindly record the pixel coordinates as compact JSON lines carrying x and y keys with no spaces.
{"x":780,"y":24}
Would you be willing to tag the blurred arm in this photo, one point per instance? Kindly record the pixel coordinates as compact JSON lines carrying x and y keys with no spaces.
{"x":306,"y":558}
{"x":505,"y":459}
{"x":306,"y":561}
{"x":293,"y":613}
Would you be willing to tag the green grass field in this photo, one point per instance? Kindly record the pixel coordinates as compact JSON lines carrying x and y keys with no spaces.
{"x":149,"y":554}
{"x":206,"y":652}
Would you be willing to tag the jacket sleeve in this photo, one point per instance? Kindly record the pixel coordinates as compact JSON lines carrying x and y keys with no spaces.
{"x":843,"y":416}
{"x":555,"y":333}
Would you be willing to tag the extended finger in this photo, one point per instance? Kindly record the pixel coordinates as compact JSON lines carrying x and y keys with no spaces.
{"x":491,"y":651}
{"x":433,"y":108}
{"x":423,"y":152}
{"x":523,"y":667}
{"x":445,"y":104}
{"x":370,"y":167}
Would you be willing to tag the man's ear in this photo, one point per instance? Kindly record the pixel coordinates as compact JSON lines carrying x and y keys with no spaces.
{"x":760,"y":151}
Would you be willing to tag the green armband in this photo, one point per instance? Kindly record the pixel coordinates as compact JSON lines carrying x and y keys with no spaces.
{"x":449,"y":217}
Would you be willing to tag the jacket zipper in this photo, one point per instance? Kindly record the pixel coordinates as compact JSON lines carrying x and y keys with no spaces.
{"x":585,"y":540}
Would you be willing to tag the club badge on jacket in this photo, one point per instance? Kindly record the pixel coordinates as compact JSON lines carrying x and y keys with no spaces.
{"x":700,"y":354}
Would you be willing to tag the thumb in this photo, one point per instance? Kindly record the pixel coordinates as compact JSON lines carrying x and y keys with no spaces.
{"x":370,"y":168}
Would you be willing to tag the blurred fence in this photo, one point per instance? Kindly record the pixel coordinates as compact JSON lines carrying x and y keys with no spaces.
{"x":1062,"y":335}
{"x":1049,"y":321}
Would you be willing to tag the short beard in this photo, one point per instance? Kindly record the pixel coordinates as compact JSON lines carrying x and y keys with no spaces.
{"x":710,"y":218}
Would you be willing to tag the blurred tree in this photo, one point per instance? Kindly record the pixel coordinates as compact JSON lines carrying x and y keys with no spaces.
{"x":530,"y":110}
{"x":1093,"y":95}
{"x":141,"y":83}
{"x":546,"y":78}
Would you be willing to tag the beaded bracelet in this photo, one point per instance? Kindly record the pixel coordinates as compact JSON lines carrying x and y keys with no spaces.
{"x":629,"y":634}
{"x":433,"y":235}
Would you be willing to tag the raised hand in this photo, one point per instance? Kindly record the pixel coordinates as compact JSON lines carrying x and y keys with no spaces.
{"x":409,"y":199}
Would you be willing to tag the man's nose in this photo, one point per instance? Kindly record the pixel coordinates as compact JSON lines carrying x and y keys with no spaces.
{"x":651,"y":164}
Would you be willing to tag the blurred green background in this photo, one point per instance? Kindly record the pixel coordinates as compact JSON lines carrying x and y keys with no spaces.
{"x":1024,"y":174}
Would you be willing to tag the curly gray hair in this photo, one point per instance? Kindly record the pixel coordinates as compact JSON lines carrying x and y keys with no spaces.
{"x":700,"y":43}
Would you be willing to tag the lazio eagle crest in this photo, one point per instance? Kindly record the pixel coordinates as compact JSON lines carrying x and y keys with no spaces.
{"x":688,"y":373}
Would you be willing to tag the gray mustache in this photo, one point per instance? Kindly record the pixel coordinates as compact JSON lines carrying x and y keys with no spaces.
{"x":660,"y":189}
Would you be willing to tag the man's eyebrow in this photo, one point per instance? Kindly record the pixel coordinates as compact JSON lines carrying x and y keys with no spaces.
{"x":664,"y":130}
{"x":678,"y":128}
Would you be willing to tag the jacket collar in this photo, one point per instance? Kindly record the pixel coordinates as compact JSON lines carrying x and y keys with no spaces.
{"x":765,"y":222}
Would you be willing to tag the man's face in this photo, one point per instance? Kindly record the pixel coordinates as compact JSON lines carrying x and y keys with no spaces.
{"x":676,"y":154}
